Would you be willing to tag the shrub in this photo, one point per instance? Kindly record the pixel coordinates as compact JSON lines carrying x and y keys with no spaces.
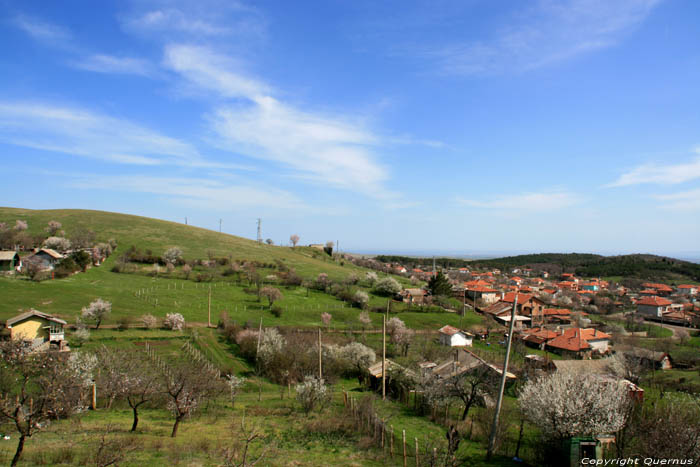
{"x":360,"y":299}
{"x":80,"y":336}
{"x":124,"y":323}
{"x":174,"y":321}
{"x":387,"y":286}
{"x":312,"y":393}
{"x":149,"y":321}
{"x":276,"y":310}
{"x":172,"y":255}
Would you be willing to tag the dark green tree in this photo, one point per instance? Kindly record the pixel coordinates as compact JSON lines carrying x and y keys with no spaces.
{"x":439,"y":285}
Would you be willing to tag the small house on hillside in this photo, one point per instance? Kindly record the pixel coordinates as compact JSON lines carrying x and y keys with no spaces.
{"x":10,"y":261}
{"x":42,"y":330}
{"x":47,"y":258}
{"x":454,"y":337}
{"x":413,"y":296}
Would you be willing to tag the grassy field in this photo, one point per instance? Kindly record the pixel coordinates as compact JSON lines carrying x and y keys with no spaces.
{"x":158,"y":235}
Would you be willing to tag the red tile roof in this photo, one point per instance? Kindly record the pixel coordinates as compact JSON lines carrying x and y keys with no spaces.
{"x":522,"y":297}
{"x":449,"y":330}
{"x":654,"y":301}
{"x":576,"y":339}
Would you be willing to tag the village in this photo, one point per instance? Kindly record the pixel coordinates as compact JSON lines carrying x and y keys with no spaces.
{"x":563,"y":326}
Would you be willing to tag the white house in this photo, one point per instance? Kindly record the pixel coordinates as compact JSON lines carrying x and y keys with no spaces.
{"x":454,"y":337}
{"x":653,"y":306}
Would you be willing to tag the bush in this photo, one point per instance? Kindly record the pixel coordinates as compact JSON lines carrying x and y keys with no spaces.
{"x":387,"y":286}
{"x":149,"y":321}
{"x":276,"y":310}
{"x":312,"y":393}
{"x":80,"y":336}
{"x":360,"y":299}
{"x":124,"y":323}
{"x":174,"y":321}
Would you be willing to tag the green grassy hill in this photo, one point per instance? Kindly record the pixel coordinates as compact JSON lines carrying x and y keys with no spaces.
{"x":158,"y":235}
{"x":135,"y":294}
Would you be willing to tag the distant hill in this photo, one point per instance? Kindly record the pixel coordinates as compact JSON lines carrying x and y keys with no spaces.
{"x":641,"y":266}
{"x":158,"y":235}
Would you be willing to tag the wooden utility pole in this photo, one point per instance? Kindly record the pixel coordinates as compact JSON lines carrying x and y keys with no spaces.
{"x":320,"y":367}
{"x":499,"y":401}
{"x":259,"y":336}
{"x":384,"y":359}
{"x":209,"y":308}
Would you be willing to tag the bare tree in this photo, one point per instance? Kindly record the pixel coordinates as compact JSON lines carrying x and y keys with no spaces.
{"x":37,"y":387}
{"x":186,"y":386}
{"x":240,"y":453}
{"x":96,"y":311}
{"x":294,"y":239}
{"x":272,"y":294}
{"x":470,"y":386}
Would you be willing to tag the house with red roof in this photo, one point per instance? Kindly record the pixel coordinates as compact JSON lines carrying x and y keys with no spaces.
{"x":653,"y":307}
{"x":537,"y":337}
{"x":528,"y":305}
{"x":482,"y":292}
{"x":661,"y":289}
{"x":557,"y":315}
{"x":580,"y":343}
{"x":568,"y":285}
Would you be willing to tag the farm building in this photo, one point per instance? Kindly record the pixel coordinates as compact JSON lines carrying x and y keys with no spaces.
{"x":454,"y":337}
{"x":10,"y":261}
{"x":41,"y":329}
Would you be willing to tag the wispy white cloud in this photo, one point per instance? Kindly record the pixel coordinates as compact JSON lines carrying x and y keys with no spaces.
{"x":176,"y":19}
{"x":663,"y":174}
{"x":213,"y":72}
{"x":42,"y":30}
{"x":548,"y":31}
{"x":101,"y":63}
{"x":330,"y":150}
{"x":206,"y":193}
{"x":80,"y":132}
{"x":214,"y":19}
{"x":682,"y":201}
{"x":525,"y":202}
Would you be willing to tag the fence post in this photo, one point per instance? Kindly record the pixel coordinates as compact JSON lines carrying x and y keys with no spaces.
{"x":383,"y":427}
{"x":434,"y":456}
{"x":417,"y":462}
{"x":391,"y":440}
{"x":404,"y":447}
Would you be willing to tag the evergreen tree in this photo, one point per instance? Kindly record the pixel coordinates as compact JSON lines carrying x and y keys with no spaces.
{"x":439,"y":285}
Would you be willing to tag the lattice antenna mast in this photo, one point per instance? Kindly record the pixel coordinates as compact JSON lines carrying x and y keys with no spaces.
{"x":259,"y":230}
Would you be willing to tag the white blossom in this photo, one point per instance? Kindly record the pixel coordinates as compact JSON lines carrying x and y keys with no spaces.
{"x":567,"y":404}
{"x":174,"y":321}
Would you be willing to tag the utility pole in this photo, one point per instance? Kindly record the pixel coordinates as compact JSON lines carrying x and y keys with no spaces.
{"x":384,"y":359}
{"x":259,"y":230}
{"x":185,"y":220}
{"x":219,"y":225}
{"x":320,"y":367}
{"x":499,"y":401}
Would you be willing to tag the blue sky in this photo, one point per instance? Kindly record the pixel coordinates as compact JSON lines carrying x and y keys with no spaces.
{"x":448,"y":126}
